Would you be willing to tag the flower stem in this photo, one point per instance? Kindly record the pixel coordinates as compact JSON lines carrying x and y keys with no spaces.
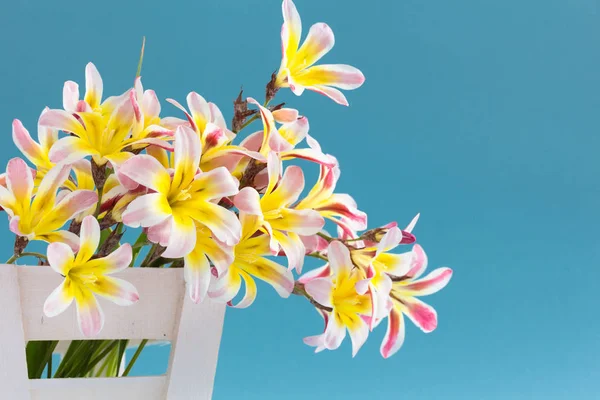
{"x":135,"y":357}
{"x":15,"y":257}
{"x":324,"y":236}
{"x":300,"y":291}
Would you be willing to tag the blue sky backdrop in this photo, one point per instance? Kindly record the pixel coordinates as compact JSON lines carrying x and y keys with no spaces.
{"x":482,"y":115}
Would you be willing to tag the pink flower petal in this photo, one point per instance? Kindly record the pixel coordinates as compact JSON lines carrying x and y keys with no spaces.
{"x":358,"y":336}
{"x":60,"y":257}
{"x":291,"y":30}
{"x":70,"y":149}
{"x":432,"y":283}
{"x":117,"y":290}
{"x":63,"y":120}
{"x":59,"y":300}
{"x":394,"y":336}
{"x":147,"y":210}
{"x":215,"y":184}
{"x":302,"y":222}
{"x":318,"y":42}
{"x":89,"y":314}
{"x":342,"y":76}
{"x":320,"y":272}
{"x":27,"y":145}
{"x":249,"y":294}
{"x":150,"y":104}
{"x":160,"y":232}
{"x":339,"y":258}
{"x":197,"y":275}
{"x":199,"y":109}
{"x":248,"y":201}
{"x":320,"y":289}
{"x":187,"y":156}
{"x":421,"y":314}
{"x":19,"y":181}
{"x":293,"y":249}
{"x":115,"y":262}
{"x":70,"y":96}
{"x":93,"y":86}
{"x":71,"y":205}
{"x":183,"y":237}
{"x":89,"y":239}
{"x":285,"y":115}
{"x":419,"y":262}
{"x":147,"y":171}
{"x":223,"y":223}
{"x":330,"y":92}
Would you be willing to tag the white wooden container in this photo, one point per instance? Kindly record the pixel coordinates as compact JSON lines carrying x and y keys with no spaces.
{"x":164,"y":312}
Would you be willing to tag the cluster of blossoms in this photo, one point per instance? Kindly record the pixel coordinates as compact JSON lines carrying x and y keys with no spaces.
{"x":219,"y":210}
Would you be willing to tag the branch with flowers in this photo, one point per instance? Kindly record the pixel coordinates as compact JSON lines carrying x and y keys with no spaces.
{"x":209,"y":199}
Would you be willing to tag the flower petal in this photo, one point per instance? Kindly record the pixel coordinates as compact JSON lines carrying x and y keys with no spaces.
{"x":117,"y":290}
{"x":197,"y":274}
{"x":183,"y":237}
{"x":330,"y":92}
{"x":422,"y":315}
{"x":293,"y":248}
{"x":226,"y":287}
{"x":63,"y":236}
{"x":339,"y":258}
{"x":19,"y":181}
{"x":160,"y":232}
{"x":291,"y":29}
{"x":432,"y":283}
{"x":270,"y":272}
{"x":288,"y":190}
{"x":89,"y":239}
{"x":70,"y":96}
{"x":285,"y":115}
{"x":69,"y":149}
{"x":248,"y":201}
{"x":63,"y":120}
{"x":187,"y":157}
{"x":419,"y":262}
{"x":390,"y":240}
{"x":150,"y":104}
{"x":334,"y":333}
{"x":249,"y":294}
{"x":302,"y":222}
{"x":59,"y":300}
{"x":342,"y":76}
{"x":147,"y":210}
{"x":93,"y":86}
{"x":89,"y":314}
{"x":320,"y":289}
{"x":199,"y":109}
{"x":215,"y":184}
{"x":66,"y":209}
{"x":147,"y":171}
{"x":60,"y":257}
{"x":30,"y":149}
{"x":318,"y":42}
{"x":223,"y":223}
{"x":394,"y":336}
{"x":115,"y":262}
{"x":358,"y":335}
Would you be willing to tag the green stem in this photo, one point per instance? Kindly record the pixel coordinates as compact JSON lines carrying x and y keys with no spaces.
{"x":324,"y":236}
{"x":149,"y":255}
{"x":139,"y":68}
{"x":317,"y":255}
{"x":25,"y":254}
{"x":135,"y":357}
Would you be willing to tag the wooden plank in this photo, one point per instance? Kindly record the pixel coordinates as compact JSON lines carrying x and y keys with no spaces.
{"x":13,"y":365}
{"x":152,"y":317}
{"x":128,"y":388}
{"x":194,"y":353}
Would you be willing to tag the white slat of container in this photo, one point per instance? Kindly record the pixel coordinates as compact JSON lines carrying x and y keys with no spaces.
{"x":13,"y":365}
{"x":129,"y":388}
{"x":195,"y":333}
{"x":152,"y":317}
{"x":195,"y":349}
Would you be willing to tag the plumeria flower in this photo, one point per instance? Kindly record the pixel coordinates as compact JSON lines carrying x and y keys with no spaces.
{"x":283,"y":140}
{"x":148,"y":123}
{"x":180,"y":201}
{"x":337,"y":207}
{"x":348,"y":307}
{"x":86,"y":277}
{"x":275,"y":214}
{"x":99,"y":129}
{"x":42,"y":218}
{"x":404,"y":292}
{"x":36,"y":153}
{"x":207,"y":121}
{"x":297,"y":71}
{"x":249,"y":262}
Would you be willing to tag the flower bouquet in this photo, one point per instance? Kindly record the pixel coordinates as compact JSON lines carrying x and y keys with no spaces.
{"x":208,"y":199}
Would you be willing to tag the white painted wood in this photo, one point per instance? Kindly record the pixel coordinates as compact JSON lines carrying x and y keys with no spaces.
{"x":152,"y":317}
{"x":13,"y":365}
{"x":194,"y":354}
{"x":164,"y":312}
{"x":129,"y":388}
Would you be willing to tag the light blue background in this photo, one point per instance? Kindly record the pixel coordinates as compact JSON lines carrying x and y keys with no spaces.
{"x":481,"y":115}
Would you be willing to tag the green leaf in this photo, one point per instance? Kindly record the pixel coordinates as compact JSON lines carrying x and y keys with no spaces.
{"x":38,"y":354}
